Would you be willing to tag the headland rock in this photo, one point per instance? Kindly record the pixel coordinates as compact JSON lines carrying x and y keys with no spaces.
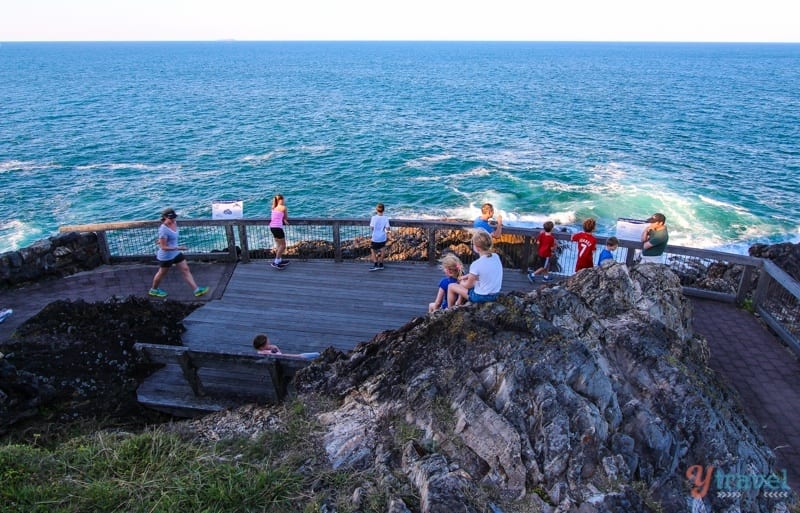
{"x":591,"y":396}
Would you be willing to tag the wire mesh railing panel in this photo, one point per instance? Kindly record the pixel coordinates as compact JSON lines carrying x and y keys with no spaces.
{"x":783,"y":305}
{"x":302,"y":242}
{"x":203,"y":239}
{"x":356,"y":241}
{"x":132,"y":242}
{"x":706,"y":273}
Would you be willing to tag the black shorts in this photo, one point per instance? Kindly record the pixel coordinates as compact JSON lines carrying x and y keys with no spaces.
{"x":277,"y":233}
{"x":541,"y":261}
{"x":377,"y":246}
{"x":169,"y":263}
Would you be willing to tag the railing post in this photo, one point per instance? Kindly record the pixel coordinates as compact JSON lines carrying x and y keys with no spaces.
{"x":744,"y":284}
{"x":432,"y":245}
{"x":102,"y":246}
{"x":243,"y":241}
{"x":337,"y":242}
{"x":527,"y":247}
{"x":629,"y":256}
{"x":231,"y":242}
{"x":761,"y":287}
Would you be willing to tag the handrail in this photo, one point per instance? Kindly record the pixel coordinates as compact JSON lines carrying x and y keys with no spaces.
{"x":239,"y":239}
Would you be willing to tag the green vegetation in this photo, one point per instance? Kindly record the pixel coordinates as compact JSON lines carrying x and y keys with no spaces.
{"x":159,"y":470}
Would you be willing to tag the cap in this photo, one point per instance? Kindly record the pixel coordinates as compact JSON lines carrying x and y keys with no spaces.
{"x":657,"y":218}
{"x":168,"y":213}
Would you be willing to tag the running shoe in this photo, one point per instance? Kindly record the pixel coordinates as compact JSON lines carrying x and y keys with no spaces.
{"x":157,"y":293}
{"x":199,"y":291}
{"x":531,"y":277}
{"x":375,"y":268}
{"x":5,"y":314}
{"x":284,"y":263}
{"x":547,"y":278}
{"x":277,"y":266}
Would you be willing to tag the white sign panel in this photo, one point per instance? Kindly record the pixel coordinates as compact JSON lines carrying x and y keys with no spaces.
{"x":630,"y":229}
{"x":227,"y":209}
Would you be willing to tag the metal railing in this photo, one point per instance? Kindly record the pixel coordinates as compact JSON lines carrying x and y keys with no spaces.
{"x":739,"y":279}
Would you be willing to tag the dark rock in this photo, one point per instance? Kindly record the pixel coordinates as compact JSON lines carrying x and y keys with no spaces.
{"x":786,"y":255}
{"x":594,"y":395}
{"x":76,"y":359}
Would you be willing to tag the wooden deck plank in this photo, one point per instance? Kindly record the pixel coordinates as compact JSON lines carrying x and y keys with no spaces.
{"x":306,"y":307}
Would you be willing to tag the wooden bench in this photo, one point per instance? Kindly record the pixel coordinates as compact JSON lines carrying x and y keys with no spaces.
{"x":200,"y":381}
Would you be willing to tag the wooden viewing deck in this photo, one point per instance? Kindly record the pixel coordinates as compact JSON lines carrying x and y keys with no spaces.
{"x":306,"y":307}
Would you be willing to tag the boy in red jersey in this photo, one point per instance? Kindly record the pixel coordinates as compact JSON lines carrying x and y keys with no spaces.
{"x":586,"y":245}
{"x":546,"y":243}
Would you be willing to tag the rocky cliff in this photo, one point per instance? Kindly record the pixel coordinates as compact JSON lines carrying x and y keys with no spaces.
{"x":591,"y":396}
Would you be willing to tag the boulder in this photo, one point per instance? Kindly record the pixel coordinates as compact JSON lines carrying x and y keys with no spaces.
{"x":589,"y":396}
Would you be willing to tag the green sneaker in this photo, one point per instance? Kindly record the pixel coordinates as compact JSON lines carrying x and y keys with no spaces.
{"x":201,"y":291}
{"x":157,"y":293}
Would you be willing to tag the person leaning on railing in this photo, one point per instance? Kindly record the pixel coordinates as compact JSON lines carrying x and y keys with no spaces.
{"x":654,"y":239}
{"x":494,"y":228}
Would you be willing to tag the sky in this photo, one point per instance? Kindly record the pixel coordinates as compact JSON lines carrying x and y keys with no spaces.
{"x":428,"y":20}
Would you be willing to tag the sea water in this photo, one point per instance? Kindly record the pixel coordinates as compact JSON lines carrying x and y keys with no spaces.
{"x":708,"y":134}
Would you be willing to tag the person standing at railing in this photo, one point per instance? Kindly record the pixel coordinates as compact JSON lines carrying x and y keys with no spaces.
{"x":169,"y":254}
{"x":608,"y":252}
{"x":494,"y":228}
{"x":379,"y":224}
{"x":546,"y":243}
{"x":587,"y":244}
{"x":278,"y":219}
{"x":654,"y":239}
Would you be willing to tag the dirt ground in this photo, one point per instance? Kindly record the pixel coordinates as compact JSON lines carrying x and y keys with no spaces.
{"x":74,"y":362}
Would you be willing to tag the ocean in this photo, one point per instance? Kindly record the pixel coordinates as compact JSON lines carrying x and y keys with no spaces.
{"x":708,"y":134}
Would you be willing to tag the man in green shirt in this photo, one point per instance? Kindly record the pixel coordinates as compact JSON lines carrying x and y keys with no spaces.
{"x":654,"y":239}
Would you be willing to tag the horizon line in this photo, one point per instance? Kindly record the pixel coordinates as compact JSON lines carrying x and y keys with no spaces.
{"x":235,"y":40}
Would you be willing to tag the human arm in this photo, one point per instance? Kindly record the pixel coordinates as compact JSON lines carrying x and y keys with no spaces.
{"x":468,"y":281}
{"x":656,"y":237}
{"x":646,"y":234}
{"x":498,"y":228}
{"x":432,"y":307}
{"x":162,"y":243}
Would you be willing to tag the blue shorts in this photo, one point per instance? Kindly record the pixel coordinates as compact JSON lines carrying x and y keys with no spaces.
{"x":481,"y":298}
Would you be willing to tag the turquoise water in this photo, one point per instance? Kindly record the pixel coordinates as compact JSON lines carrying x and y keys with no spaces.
{"x":709,"y":134}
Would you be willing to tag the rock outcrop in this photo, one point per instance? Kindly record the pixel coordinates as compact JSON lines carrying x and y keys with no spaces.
{"x":591,"y":396}
{"x":785,"y":255}
{"x":54,"y":257}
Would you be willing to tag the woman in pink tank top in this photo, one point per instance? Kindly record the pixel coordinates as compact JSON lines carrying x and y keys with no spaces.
{"x":278,"y":219}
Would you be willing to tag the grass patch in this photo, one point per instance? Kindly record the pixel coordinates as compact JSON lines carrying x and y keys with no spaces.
{"x":150,"y":471}
{"x":161,"y":469}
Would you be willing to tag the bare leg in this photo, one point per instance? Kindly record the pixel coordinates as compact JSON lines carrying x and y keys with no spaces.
{"x":456,"y":292}
{"x":162,"y":271}
{"x":280,"y":247}
{"x":187,"y":274}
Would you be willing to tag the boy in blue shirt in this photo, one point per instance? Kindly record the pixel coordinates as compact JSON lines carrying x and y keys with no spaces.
{"x":608,"y":252}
